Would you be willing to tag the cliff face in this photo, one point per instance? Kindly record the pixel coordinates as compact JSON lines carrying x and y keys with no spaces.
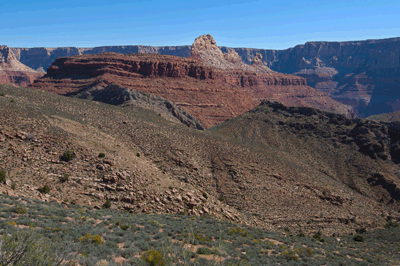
{"x":14,"y":72}
{"x":44,"y":57}
{"x":363,"y":74}
{"x":211,"y":95}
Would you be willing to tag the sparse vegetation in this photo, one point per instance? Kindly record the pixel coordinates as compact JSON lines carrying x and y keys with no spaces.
{"x":102,"y":155}
{"x":99,"y":241}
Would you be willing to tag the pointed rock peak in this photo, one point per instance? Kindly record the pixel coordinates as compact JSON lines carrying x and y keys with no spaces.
{"x":257,"y":60}
{"x":205,"y":43}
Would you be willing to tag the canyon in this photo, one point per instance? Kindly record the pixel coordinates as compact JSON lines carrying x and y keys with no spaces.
{"x":14,"y":72}
{"x":362,"y":74}
{"x":209,"y":87}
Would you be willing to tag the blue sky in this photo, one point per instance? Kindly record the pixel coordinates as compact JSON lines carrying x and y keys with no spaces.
{"x":277,"y":24}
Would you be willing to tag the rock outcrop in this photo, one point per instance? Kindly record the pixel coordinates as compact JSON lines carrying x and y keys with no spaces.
{"x":209,"y":94}
{"x":206,"y":50}
{"x":14,"y":72}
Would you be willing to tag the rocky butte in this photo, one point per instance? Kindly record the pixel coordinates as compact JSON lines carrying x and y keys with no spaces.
{"x":206,"y":85}
{"x":14,"y":72}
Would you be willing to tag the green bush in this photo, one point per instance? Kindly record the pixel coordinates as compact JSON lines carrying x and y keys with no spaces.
{"x":2,"y":176}
{"x":44,"y":190}
{"x":64,"y":178}
{"x":204,"y":251}
{"x":68,"y":156}
{"x":13,"y":186}
{"x":318,"y":236}
{"x":358,"y":238}
{"x":20,"y":209}
{"x":102,"y":155}
{"x":2,"y":94}
{"x":88,"y":238}
{"x":154,"y":258}
{"x":107,"y":204}
{"x":29,"y":248}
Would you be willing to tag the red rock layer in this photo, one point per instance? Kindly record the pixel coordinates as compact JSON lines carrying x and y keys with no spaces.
{"x":18,"y":78}
{"x":210,"y":95}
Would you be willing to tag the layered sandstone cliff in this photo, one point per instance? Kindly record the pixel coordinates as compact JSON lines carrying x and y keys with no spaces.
{"x":363,"y":74}
{"x":325,"y":65}
{"x":14,"y":72}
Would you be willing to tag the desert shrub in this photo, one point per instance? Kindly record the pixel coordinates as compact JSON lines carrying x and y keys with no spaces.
{"x":204,"y":251}
{"x":13,"y":186}
{"x":154,"y":258}
{"x":2,"y":94}
{"x":88,"y":238}
{"x":64,"y":178}
{"x":44,"y":190}
{"x":2,"y":177}
{"x":68,"y":156}
{"x":361,"y":231}
{"x":318,"y":237}
{"x":12,"y":101}
{"x":296,"y":254}
{"x":239,"y":231}
{"x":358,"y":238}
{"x":107,"y":204}
{"x":102,"y":155}
{"x":29,"y":248}
{"x":20,"y":209}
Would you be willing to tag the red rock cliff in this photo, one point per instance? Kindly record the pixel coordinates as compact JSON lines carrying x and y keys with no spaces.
{"x":209,"y":94}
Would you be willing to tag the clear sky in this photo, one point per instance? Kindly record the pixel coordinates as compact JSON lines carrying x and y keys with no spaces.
{"x":277,"y":24}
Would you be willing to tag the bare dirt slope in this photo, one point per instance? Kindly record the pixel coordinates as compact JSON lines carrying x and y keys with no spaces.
{"x":273,"y":167}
